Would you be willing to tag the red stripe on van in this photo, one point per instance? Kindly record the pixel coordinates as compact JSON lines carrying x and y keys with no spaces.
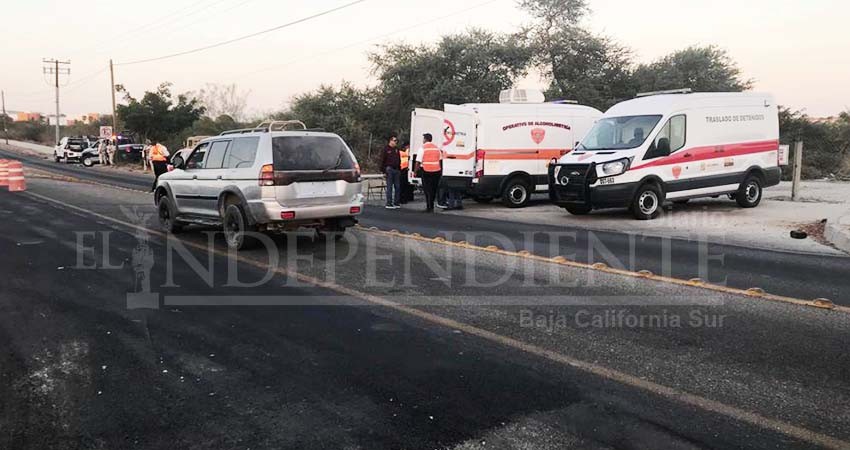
{"x":712,"y":152}
{"x":531,"y":154}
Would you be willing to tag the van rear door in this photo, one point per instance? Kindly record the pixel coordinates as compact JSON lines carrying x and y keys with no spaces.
{"x":423,"y":121}
{"x":458,"y":141}
{"x":313,"y":170}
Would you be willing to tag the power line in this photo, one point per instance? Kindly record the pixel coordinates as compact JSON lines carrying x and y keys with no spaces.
{"x":219,"y":44}
{"x":375,"y":38}
{"x":130,"y":34}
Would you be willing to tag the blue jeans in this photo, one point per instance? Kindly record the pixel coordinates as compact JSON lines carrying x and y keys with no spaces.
{"x":393,"y":186}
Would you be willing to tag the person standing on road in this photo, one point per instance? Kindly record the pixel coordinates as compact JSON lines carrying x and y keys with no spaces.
{"x":110,"y":152}
{"x":431,"y":169}
{"x":102,"y":156}
{"x":391,"y":166}
{"x":406,"y":187}
{"x":159,"y":161}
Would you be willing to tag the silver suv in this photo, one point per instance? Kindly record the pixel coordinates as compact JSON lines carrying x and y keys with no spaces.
{"x":263,"y":179}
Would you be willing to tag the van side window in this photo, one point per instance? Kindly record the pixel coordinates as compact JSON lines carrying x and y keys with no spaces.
{"x":670,"y":139}
{"x":215,"y":159}
{"x":242,"y":153}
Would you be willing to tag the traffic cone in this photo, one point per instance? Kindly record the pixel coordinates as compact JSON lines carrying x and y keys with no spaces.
{"x":4,"y":172}
{"x":17,"y":183}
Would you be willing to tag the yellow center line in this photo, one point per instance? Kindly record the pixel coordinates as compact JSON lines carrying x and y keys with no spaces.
{"x":796,"y":432}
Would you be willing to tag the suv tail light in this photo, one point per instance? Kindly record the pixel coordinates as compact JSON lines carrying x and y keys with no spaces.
{"x":267,"y":175}
{"x":479,"y":163}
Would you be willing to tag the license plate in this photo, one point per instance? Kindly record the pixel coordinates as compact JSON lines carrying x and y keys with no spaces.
{"x":316,"y":190}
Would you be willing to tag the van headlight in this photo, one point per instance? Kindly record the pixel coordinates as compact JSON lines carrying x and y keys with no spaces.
{"x":617,"y":167}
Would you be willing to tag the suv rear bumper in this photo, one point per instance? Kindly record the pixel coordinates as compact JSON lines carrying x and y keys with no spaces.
{"x":269,"y":211}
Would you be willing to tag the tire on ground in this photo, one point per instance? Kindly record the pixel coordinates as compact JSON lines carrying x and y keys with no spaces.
{"x":579,"y":210}
{"x":237,"y":231}
{"x":750,"y":192}
{"x":517,"y":193}
{"x":648,"y":201}
{"x":167,"y":216}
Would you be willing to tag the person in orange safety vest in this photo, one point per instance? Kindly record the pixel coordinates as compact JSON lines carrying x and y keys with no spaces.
{"x":159,"y":160}
{"x":431,"y":167}
{"x":406,"y":187}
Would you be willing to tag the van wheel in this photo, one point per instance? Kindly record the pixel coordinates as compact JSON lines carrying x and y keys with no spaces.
{"x":517,"y":193}
{"x":647,"y":202}
{"x":579,"y":210}
{"x":750,"y":192}
{"x":483,"y":200}
{"x":168,"y":216}
{"x":236,"y":228}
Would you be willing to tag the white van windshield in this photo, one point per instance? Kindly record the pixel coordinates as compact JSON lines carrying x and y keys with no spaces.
{"x":619,"y":133}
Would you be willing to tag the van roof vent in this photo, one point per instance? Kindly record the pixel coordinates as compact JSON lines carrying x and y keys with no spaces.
{"x":521,"y":96}
{"x":671,"y":91}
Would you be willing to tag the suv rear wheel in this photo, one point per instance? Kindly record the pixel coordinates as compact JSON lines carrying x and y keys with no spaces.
{"x":236,"y":228}
{"x":88,"y":161}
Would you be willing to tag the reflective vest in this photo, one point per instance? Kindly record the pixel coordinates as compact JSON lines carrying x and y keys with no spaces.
{"x":431,"y":156}
{"x":405,"y":159}
{"x":157,"y":154}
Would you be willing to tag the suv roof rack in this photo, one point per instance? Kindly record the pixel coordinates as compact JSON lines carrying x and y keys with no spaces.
{"x":671,"y":91}
{"x":269,"y":126}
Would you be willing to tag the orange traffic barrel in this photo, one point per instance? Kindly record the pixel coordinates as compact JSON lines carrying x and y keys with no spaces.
{"x":17,"y":183}
{"x":4,"y":172}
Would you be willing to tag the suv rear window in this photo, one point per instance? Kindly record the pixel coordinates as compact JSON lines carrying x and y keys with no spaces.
{"x":77,"y":144}
{"x":301,"y":153}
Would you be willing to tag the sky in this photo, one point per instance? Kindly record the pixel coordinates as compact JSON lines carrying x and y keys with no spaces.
{"x":798,"y":51}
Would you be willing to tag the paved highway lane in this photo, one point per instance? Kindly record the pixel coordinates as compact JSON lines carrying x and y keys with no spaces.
{"x":802,"y":276}
{"x":379,"y":356}
{"x":797,"y":275}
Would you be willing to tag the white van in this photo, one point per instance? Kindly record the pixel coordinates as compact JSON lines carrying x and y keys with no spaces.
{"x":675,"y":146}
{"x":503,"y":149}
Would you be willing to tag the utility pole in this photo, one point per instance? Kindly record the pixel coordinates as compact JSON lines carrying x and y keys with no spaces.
{"x":5,"y":117}
{"x":53,"y":69}
{"x":798,"y":171}
{"x":112,"y":89}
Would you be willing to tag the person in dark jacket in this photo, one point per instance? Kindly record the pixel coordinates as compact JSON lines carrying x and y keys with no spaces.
{"x":391,"y":166}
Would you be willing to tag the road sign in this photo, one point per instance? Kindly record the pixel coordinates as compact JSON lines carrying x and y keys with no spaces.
{"x":105,"y":132}
{"x":784,"y":151}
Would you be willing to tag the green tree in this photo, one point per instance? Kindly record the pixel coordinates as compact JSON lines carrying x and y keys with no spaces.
{"x":469,"y":67}
{"x":157,"y":116}
{"x":826,"y":144}
{"x":348,"y":111}
{"x":703,"y":69}
{"x":593,"y":70}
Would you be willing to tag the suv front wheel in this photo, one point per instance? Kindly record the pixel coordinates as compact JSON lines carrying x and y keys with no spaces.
{"x":237,"y":232}
{"x":167,"y":216}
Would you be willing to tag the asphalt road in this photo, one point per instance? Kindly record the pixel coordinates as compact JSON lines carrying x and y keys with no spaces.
{"x":803,"y":276}
{"x":380,"y":342}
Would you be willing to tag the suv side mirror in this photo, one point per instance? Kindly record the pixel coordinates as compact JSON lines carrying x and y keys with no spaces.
{"x":178,"y":162}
